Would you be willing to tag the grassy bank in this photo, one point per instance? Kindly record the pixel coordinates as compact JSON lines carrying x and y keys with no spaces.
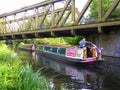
{"x":14,"y":75}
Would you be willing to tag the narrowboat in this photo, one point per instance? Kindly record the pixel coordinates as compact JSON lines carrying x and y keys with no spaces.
{"x":89,"y":54}
{"x":27,"y":47}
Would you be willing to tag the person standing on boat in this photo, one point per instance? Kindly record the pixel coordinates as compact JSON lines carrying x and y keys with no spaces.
{"x":83,"y":43}
{"x":33,"y":46}
{"x":86,"y":48}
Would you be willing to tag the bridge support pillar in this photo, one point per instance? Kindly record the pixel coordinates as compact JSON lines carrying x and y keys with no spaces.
{"x":110,"y":41}
{"x":99,"y":29}
{"x":73,"y":32}
{"x":36,"y":35}
{"x":52,"y":34}
{"x":24,"y":36}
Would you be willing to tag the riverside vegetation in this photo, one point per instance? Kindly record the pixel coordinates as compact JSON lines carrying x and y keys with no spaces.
{"x":14,"y":75}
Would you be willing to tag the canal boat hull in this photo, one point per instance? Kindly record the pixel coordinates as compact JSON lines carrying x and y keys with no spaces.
{"x":70,"y":54}
{"x":27,"y":47}
{"x":65,"y":59}
{"x":89,"y":54}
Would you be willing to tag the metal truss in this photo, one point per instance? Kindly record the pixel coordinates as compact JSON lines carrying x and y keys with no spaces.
{"x":48,"y":16}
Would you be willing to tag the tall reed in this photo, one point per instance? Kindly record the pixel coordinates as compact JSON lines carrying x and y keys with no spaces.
{"x":17,"y":76}
{"x":32,"y":81}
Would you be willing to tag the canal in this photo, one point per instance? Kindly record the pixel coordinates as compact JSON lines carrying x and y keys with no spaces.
{"x":66,"y":76}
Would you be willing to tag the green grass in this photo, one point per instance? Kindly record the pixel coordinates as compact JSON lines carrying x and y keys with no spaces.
{"x":6,"y":54}
{"x":38,"y":83}
{"x":14,"y":75}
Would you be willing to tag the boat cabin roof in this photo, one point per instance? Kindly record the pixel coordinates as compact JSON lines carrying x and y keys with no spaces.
{"x":58,"y":45}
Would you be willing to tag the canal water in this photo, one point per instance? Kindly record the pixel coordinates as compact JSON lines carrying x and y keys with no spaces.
{"x":66,"y":76}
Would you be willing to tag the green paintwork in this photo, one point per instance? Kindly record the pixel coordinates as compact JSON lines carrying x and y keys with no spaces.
{"x":53,"y":49}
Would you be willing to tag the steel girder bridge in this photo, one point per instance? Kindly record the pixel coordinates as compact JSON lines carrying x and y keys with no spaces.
{"x":55,"y":18}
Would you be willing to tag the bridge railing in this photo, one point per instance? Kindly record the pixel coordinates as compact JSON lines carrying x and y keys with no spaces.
{"x":51,"y":14}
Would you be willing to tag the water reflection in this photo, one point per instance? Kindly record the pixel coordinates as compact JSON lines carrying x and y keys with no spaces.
{"x":77,"y":78}
{"x":62,"y":76}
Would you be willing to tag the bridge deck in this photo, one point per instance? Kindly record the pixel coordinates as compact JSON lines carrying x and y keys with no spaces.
{"x":85,"y":29}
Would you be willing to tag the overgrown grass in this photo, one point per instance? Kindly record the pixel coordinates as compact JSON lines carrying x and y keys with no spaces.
{"x":32,"y":80}
{"x":16,"y":76}
{"x":6,"y":55}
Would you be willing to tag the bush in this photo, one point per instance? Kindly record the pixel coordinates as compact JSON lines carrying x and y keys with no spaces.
{"x":14,"y":75}
{"x":32,"y":81}
{"x":6,"y":54}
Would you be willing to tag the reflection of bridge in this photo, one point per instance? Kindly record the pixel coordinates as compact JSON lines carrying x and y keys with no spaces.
{"x":46,"y":19}
{"x":55,"y":18}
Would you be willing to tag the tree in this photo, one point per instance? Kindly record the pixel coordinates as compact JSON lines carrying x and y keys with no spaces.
{"x":72,"y":40}
{"x":106,"y":4}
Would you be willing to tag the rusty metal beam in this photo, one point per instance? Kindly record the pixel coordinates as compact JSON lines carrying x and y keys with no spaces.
{"x":110,"y":10}
{"x":83,"y":11}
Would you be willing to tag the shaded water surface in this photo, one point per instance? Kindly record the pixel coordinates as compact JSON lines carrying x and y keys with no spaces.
{"x":64,"y":76}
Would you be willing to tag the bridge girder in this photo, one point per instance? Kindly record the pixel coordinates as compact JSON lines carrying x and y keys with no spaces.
{"x":44,"y":17}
